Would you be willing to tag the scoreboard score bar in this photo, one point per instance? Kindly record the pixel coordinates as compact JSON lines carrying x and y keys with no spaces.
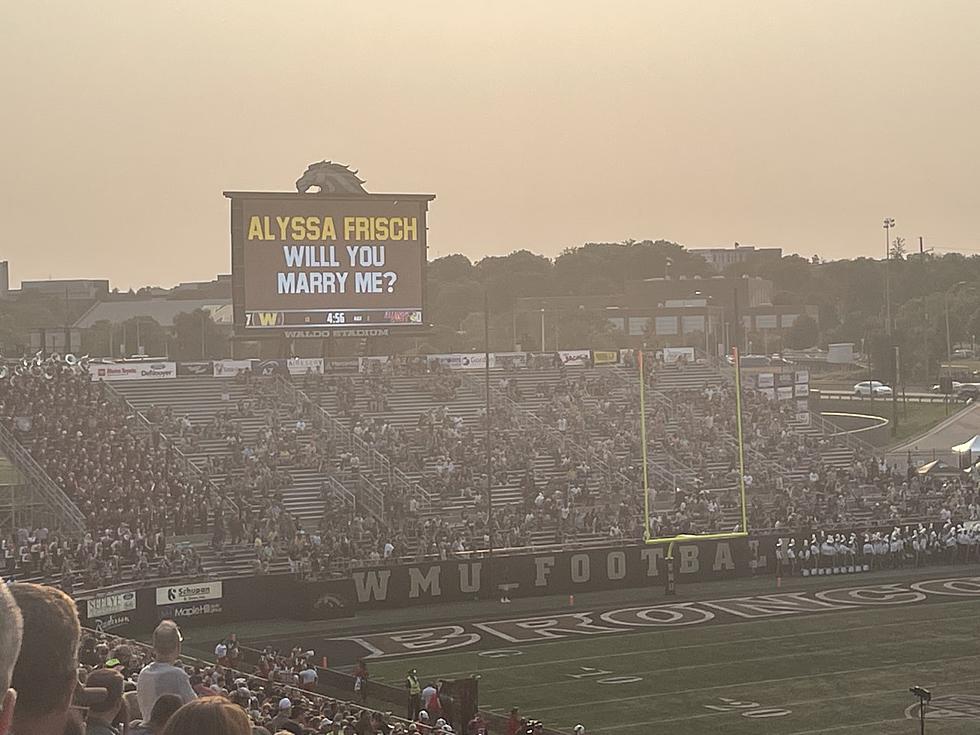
{"x":330,"y":261}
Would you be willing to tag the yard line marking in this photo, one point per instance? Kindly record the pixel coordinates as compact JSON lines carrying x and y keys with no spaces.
{"x":848,"y":727}
{"x":707,"y":664}
{"x":778,"y":705}
{"x":689,"y":646}
{"x":748,"y":683}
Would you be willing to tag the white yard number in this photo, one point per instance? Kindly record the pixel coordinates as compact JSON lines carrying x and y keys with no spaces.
{"x":589,"y":673}
{"x":747,"y":709}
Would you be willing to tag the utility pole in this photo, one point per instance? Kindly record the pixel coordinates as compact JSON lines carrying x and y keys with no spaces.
{"x":925,"y":319}
{"x":486,"y":377}
{"x":888,"y":223}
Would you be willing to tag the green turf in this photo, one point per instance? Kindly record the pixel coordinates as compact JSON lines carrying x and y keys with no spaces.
{"x":841,"y":672}
{"x":913,"y":418}
{"x":838,"y":672}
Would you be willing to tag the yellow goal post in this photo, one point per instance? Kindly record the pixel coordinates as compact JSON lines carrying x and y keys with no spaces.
{"x":648,"y":537}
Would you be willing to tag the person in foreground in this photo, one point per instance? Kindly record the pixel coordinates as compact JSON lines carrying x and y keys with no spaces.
{"x":163,"y":676}
{"x":211,"y":715}
{"x":103,"y":716}
{"x":47,"y":669}
{"x":11,"y":632}
{"x":163,"y":709}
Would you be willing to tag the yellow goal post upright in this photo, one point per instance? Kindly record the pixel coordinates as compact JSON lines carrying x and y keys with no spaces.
{"x":648,"y":536}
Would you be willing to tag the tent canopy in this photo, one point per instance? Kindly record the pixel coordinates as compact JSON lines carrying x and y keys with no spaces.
{"x":937,"y":467}
{"x":972,"y":446}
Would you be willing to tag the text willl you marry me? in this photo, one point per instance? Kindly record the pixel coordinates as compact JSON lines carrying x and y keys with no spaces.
{"x":336,"y":268}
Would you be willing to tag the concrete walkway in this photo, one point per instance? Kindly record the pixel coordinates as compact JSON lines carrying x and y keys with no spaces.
{"x":958,"y":428}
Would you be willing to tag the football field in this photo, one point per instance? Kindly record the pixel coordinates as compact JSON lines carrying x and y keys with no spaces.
{"x":831,"y":654}
{"x":841,"y":670}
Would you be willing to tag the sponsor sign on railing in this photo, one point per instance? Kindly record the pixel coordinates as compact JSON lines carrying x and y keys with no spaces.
{"x":193,"y":592}
{"x":230,"y":368}
{"x":110,"y":371}
{"x":304,"y":365}
{"x":575,"y":357}
{"x":110,"y":604}
{"x":201,"y":368}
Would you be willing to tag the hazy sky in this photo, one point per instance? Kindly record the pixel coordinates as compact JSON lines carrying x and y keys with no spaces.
{"x":538,"y":125}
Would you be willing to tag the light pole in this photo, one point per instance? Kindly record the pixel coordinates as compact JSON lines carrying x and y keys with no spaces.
{"x":542,"y":331}
{"x":888,"y":223}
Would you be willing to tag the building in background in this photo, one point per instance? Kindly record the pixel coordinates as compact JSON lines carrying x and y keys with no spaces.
{"x":721,"y":258}
{"x":707,"y":313}
{"x":69,"y":289}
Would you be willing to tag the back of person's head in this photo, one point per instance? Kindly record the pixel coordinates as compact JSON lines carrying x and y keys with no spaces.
{"x":11,"y":631}
{"x":166,"y":640}
{"x":112,"y":681}
{"x":211,"y":715}
{"x":163,"y":710}
{"x":47,"y":669}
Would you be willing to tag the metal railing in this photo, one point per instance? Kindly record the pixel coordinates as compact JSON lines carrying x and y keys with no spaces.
{"x":824,"y":427}
{"x":148,"y":428}
{"x":830,"y":429}
{"x":370,"y":458}
{"x":64,"y":509}
{"x":730,"y":441}
{"x":529,"y":418}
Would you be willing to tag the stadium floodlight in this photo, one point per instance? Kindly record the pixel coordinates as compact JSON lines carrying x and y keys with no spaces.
{"x":742,"y":531}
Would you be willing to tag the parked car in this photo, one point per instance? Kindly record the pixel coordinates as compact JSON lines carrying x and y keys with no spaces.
{"x":872,"y":388}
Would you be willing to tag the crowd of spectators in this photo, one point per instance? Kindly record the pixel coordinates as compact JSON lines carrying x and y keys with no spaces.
{"x":565,"y":443}
{"x":56,"y":679}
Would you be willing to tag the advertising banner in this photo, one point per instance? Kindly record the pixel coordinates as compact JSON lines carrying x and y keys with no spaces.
{"x":303,"y":365}
{"x":341,"y":365}
{"x":372,"y":363}
{"x":193,"y":592}
{"x":204,"y":367}
{"x":575,"y":357}
{"x":230,"y":368}
{"x":110,"y":611}
{"x":784,"y":393}
{"x":508,"y":359}
{"x":110,"y":604}
{"x":802,"y":376}
{"x":462,"y":360}
{"x":673,"y":354}
{"x":132,"y":371}
{"x":765,"y":380}
{"x":605,"y":357}
{"x":310,"y":262}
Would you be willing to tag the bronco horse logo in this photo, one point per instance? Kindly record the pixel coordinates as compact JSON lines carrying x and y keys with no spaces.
{"x":331,"y":178}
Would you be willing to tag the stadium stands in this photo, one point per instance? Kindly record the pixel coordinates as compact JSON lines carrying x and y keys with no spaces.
{"x":311,"y":473}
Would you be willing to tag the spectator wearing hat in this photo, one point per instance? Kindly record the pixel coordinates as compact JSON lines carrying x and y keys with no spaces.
{"x":103,"y":715}
{"x":285,"y":708}
{"x":11,"y":633}
{"x":163,"y":676}
{"x":47,"y":668}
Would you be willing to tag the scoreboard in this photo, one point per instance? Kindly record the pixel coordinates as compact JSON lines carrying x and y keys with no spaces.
{"x":327,"y":261}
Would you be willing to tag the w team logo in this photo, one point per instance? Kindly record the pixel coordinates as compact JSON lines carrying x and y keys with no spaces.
{"x":949,"y":707}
